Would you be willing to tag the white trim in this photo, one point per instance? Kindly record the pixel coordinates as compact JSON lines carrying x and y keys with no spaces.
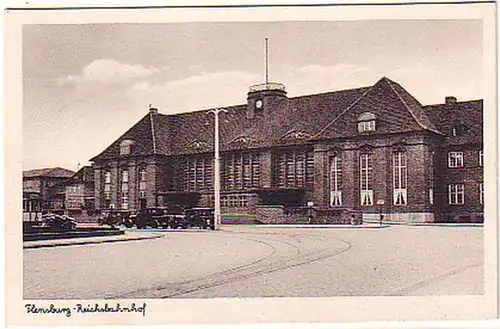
{"x":457,"y":157}
{"x":455,"y":191}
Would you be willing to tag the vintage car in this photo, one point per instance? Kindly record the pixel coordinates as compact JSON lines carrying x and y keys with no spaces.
{"x":57,"y":222}
{"x":199,"y":217}
{"x":158,"y":217}
{"x":115,"y":217}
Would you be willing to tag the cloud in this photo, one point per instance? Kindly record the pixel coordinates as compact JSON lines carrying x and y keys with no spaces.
{"x":198,"y":91}
{"x":109,"y":72}
{"x":319,"y":78}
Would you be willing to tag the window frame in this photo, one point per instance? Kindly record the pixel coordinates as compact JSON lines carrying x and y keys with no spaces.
{"x":454,"y":191}
{"x":365,"y":179}
{"x":335,"y":178}
{"x":455,"y":156}
{"x":400,"y":178}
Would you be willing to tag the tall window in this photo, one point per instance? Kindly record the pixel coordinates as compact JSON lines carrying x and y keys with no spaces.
{"x":431,"y":185}
{"x":481,"y":193}
{"x":456,"y":194}
{"x":142,"y":183}
{"x":399,"y":178}
{"x":335,"y":181}
{"x":455,"y":159}
{"x":241,"y":171}
{"x":366,"y":183}
{"x":107,"y":185}
{"x":294,"y":168}
{"x":198,"y":174}
{"x":481,"y":158}
{"x":124,"y":189}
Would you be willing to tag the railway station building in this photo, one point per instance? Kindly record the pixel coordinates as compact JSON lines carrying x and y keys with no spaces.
{"x":374,"y":150}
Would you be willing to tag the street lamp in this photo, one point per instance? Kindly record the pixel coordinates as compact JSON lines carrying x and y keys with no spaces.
{"x":217,"y":168}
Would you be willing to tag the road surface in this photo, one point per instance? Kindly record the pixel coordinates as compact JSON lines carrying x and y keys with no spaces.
{"x":253,"y":261}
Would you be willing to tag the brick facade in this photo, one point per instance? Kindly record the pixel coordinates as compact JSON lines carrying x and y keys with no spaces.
{"x":293,"y":138}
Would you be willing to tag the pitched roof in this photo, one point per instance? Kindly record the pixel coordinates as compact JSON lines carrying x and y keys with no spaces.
{"x":447,"y":116}
{"x":396,"y":111}
{"x":290,"y":121}
{"x":141,"y":134}
{"x":56,"y":172}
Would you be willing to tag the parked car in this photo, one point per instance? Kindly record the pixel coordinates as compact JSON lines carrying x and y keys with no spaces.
{"x":115,"y":217}
{"x":157,"y":217}
{"x":199,"y":217}
{"x":57,"y":222}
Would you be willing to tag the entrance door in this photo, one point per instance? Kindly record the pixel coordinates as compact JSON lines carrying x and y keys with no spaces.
{"x":142,"y":204}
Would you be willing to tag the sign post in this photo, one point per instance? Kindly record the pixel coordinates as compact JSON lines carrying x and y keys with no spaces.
{"x":381,"y":202}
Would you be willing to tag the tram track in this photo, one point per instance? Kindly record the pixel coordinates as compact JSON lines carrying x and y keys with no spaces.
{"x":284,"y":254}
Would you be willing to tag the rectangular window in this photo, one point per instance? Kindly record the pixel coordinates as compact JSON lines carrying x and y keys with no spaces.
{"x":399,"y":178}
{"x":125,"y":176}
{"x":241,"y":171}
{"x":107,"y":177}
{"x":366,"y":178}
{"x":481,"y":193}
{"x":198,"y":174}
{"x":366,"y":126}
{"x":455,"y":159}
{"x":481,"y":158}
{"x":335,"y":181}
{"x":456,"y":194}
{"x":293,"y":169}
{"x":124,"y":189}
{"x":107,"y":185}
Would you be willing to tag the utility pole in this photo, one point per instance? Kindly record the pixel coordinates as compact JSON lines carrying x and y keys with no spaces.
{"x":267,"y":62}
{"x":217,"y":168}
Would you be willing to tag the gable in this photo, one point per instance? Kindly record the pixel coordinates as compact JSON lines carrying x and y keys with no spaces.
{"x":141,"y":137}
{"x":395,"y":111}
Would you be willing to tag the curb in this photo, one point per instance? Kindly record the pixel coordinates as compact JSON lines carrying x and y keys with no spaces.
{"x":78,"y":243}
{"x":429,"y":224}
{"x":339,"y":226}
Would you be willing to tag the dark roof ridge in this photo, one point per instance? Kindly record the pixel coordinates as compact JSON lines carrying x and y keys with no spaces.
{"x":342,"y":113}
{"x":390,"y":82}
{"x":235,"y":107}
{"x":458,"y":102}
{"x":121,"y":136}
{"x":329,"y":92}
{"x":153,"y":137}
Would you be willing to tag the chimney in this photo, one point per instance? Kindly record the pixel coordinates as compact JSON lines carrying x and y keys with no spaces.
{"x":153,"y":110}
{"x":449,"y":100}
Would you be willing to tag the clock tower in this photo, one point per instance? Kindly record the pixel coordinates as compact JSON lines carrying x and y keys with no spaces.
{"x":262,"y":98}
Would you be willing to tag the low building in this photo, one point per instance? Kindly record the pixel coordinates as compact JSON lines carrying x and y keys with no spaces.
{"x":41,"y":191}
{"x":79,"y":193}
{"x":370,"y":150}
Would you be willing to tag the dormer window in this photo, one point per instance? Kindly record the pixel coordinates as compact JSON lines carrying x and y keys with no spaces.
{"x":366,"y":122}
{"x":458,"y":129}
{"x":125,"y":147}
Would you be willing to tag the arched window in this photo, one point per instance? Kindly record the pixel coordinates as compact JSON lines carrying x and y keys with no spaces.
{"x":366,"y":122}
{"x":125,"y":147}
{"x":366,"y":179}
{"x":399,"y":177}
{"x":335,"y":180}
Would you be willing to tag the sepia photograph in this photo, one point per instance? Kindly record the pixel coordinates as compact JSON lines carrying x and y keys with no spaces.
{"x":262,"y":158}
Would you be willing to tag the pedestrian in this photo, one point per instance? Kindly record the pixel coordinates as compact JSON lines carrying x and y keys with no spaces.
{"x":353,"y":220}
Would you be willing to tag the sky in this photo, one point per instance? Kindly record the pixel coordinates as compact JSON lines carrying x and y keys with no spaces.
{"x":84,"y":85}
